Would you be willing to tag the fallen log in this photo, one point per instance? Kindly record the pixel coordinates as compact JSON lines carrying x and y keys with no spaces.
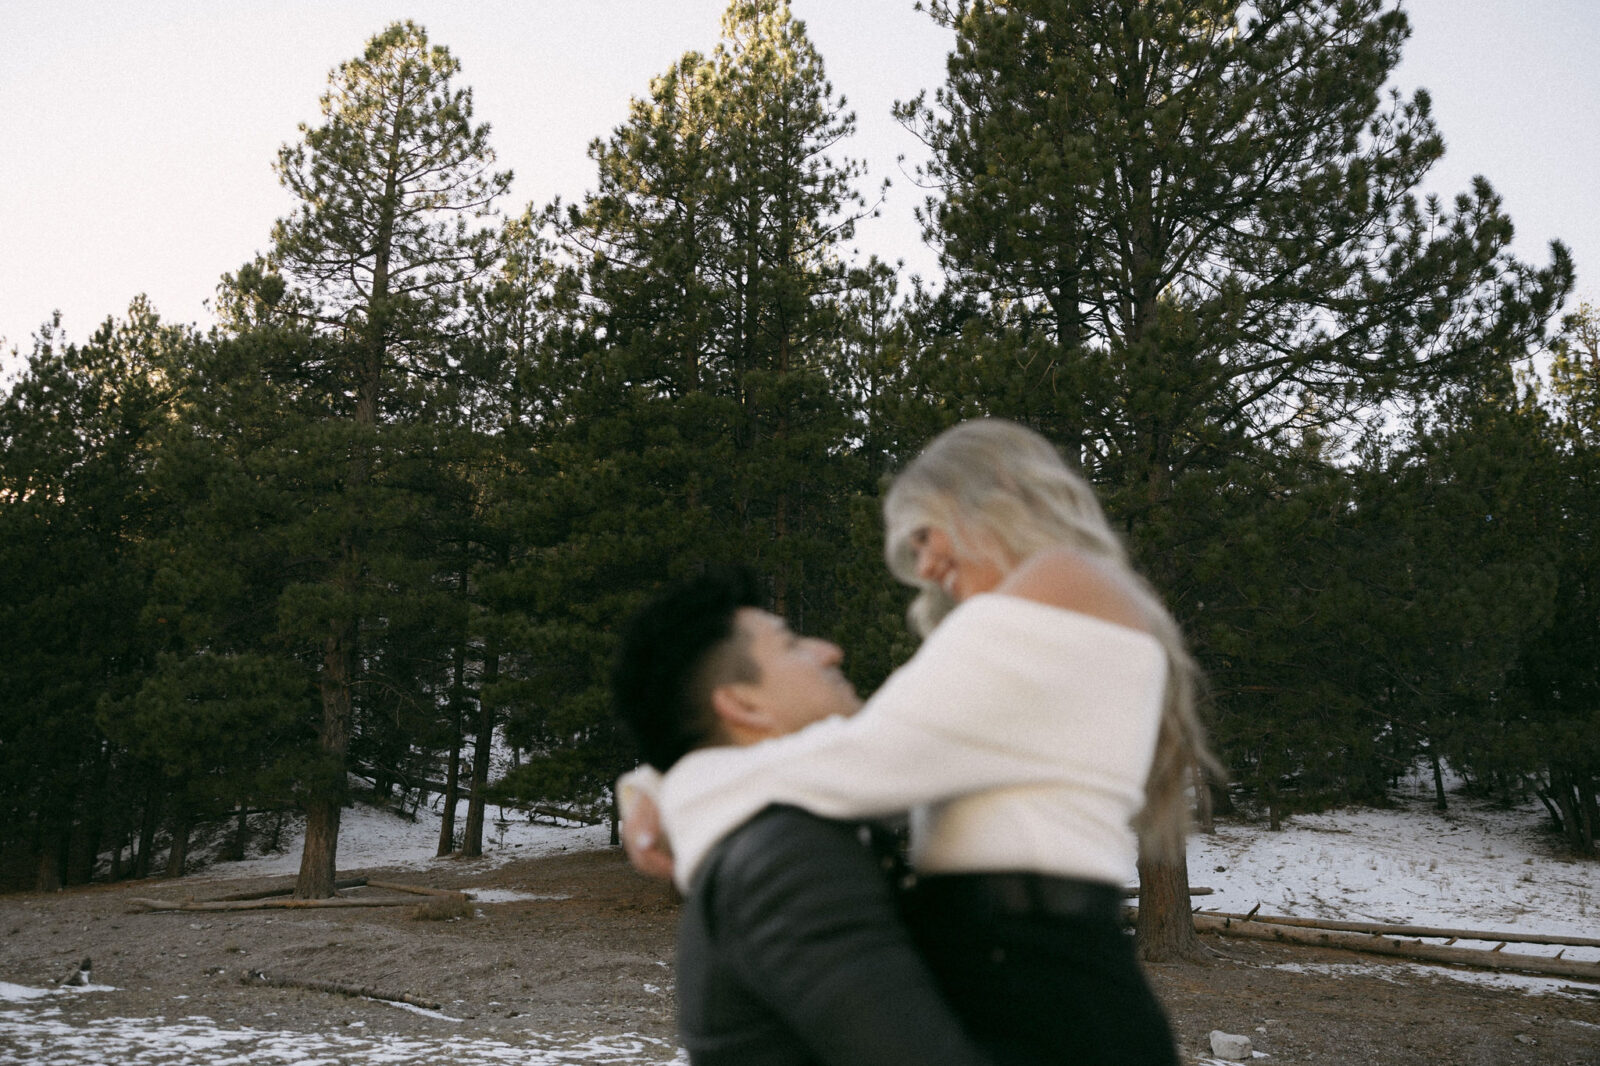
{"x":256,"y":977}
{"x":257,"y":901}
{"x":557,"y":812}
{"x":418,"y":890}
{"x":264,"y":904}
{"x":1373,"y":944}
{"x":1415,"y":930}
{"x":338,"y":886}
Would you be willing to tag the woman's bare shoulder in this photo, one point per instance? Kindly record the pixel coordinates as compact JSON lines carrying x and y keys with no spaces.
{"x":1061,"y":577}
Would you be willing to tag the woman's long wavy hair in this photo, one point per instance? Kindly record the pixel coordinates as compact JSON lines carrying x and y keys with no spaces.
{"x":1001,"y":492}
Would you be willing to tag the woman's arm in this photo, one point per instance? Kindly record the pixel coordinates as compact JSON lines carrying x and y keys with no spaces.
{"x":642,"y":837}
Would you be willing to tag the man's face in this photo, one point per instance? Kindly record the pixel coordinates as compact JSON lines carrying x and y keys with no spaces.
{"x":798,"y":678}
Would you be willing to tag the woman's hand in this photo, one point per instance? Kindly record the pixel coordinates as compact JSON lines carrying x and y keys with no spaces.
{"x":642,"y":839}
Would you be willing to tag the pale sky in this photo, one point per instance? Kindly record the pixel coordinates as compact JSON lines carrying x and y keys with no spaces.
{"x":136,"y":139}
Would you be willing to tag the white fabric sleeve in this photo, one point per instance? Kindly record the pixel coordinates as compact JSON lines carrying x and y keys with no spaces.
{"x":642,"y":780}
{"x":1006,"y":692}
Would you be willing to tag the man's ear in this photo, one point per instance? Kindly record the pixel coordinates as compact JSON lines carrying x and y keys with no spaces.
{"x":741,"y":717}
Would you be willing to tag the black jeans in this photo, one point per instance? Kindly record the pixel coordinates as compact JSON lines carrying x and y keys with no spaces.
{"x":1038,"y":984}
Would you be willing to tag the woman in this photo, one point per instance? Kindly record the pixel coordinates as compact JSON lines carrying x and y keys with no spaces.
{"x":1045,"y":726}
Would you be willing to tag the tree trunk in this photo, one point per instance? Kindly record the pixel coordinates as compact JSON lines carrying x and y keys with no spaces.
{"x":241,"y":834}
{"x":1220,"y":798}
{"x":317,"y":860}
{"x":1543,"y":792}
{"x":780,"y":573}
{"x":1165,"y":929}
{"x":178,"y":854}
{"x":1439,"y":802}
{"x":1590,"y":809}
{"x":452,"y":792}
{"x":472,"y":839}
{"x":148,"y":822}
{"x":326,"y":801}
{"x":452,"y":777}
{"x":1204,"y":815}
{"x":1576,"y":801}
{"x":48,"y":876}
{"x":84,"y":852}
{"x":92,"y":828}
{"x":1578,"y":814}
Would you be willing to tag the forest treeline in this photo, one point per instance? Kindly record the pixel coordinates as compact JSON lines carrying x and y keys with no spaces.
{"x":391,"y":508}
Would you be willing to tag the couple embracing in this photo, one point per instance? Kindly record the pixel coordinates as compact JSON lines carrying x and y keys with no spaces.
{"x":1045,"y":726}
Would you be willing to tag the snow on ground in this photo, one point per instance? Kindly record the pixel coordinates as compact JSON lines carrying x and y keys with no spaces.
{"x":372,"y":836}
{"x":1473,"y":866}
{"x":507,"y":895}
{"x":46,"y":1037}
{"x":10,"y":993}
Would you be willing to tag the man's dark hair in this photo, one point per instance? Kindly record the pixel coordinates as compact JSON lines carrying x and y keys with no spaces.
{"x":673,"y":653}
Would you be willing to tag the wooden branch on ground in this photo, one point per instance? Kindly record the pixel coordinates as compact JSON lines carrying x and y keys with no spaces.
{"x":1194,"y":890}
{"x":1417,"y":930}
{"x":266,"y":904}
{"x":259,"y":902}
{"x":557,"y":812}
{"x":417,"y":890}
{"x":339,"y":886}
{"x":1373,"y":944}
{"x":256,"y":977}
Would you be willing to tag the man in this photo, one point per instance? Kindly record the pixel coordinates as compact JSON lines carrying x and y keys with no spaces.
{"x":790,"y":949}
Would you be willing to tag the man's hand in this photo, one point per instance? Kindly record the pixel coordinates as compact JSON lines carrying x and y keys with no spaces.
{"x":642,"y":839}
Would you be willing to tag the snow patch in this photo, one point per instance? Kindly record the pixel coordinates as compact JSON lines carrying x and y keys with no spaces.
{"x":10,"y":993}
{"x":373,"y":837}
{"x":199,"y":1041}
{"x":507,"y":895}
{"x":1473,"y":866}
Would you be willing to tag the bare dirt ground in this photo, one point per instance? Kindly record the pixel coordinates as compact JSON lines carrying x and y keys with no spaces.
{"x":594,"y":955}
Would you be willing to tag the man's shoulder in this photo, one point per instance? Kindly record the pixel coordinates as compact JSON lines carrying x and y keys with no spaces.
{"x":781,"y":849}
{"x":783,"y":830}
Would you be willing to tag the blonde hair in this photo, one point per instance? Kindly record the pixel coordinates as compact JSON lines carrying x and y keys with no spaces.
{"x":1002,"y":492}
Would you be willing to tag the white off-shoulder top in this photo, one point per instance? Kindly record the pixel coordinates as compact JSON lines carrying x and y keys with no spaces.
{"x":1019,"y":737}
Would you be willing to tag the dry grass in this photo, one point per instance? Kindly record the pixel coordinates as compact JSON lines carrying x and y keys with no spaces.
{"x":443,"y":909}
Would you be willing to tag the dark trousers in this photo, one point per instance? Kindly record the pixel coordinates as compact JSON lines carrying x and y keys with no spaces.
{"x":1033,"y":982}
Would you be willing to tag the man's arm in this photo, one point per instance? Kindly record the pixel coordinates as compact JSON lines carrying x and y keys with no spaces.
{"x":809,"y":920}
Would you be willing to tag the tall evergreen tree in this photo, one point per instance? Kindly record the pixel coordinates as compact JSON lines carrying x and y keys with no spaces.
{"x":389,"y":186}
{"x":707,"y":420}
{"x":1184,"y":225}
{"x":1194,"y":217}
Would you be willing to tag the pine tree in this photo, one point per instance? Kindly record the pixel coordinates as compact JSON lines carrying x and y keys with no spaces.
{"x":707,"y":417}
{"x":390,"y":184}
{"x":511,"y":384}
{"x":1560,"y":674}
{"x":1183,"y":225}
